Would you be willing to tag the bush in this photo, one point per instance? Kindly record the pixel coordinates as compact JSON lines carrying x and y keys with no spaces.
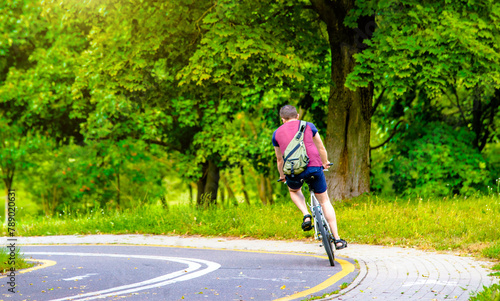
{"x":437,"y":159}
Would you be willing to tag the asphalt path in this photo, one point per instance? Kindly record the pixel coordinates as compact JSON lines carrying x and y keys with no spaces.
{"x":159,"y":267}
{"x":88,"y":272}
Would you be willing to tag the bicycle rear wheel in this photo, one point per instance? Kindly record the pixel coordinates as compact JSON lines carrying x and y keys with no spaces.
{"x":325,"y":234}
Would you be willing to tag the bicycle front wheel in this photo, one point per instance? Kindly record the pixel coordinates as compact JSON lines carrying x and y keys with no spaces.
{"x":325,"y":234}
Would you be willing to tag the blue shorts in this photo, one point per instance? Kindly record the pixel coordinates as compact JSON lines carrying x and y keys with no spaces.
{"x":317,"y":184}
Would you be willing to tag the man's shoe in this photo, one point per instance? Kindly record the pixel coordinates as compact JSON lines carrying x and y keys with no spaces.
{"x":307,"y":226}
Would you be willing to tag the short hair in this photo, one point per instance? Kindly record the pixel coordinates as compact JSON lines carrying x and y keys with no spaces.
{"x":288,"y":112}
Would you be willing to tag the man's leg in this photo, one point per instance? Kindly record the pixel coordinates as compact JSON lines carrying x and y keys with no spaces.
{"x":299,"y":200}
{"x":329,"y":213}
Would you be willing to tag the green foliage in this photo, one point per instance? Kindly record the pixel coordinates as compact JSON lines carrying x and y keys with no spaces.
{"x":103,"y":102}
{"x":491,"y":293}
{"x":240,"y":51}
{"x":70,"y":176}
{"x":435,"y":159}
{"x":431,"y":43}
{"x":15,"y":149}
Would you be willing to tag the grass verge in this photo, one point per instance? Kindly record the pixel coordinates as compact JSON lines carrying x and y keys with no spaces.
{"x":6,"y":261}
{"x":491,"y":293}
{"x":460,"y":224}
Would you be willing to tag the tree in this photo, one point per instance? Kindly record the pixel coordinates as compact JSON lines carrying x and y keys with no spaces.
{"x":15,"y":150}
{"x":259,"y":56}
{"x":146,"y":76}
{"x":127,"y":87}
{"x":35,"y":81}
{"x":435,"y":61}
{"x":349,"y":111}
{"x":436,"y":47}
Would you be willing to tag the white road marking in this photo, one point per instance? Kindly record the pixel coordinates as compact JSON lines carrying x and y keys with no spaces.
{"x":431,"y":281}
{"x":243,"y":277}
{"x":79,"y":277}
{"x":192,"y":271}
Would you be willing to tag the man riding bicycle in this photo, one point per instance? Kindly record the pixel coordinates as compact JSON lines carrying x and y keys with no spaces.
{"x":318,"y":161}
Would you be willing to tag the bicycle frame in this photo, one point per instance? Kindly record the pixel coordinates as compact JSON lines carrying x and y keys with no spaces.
{"x":314,"y":203}
{"x":322,"y":231}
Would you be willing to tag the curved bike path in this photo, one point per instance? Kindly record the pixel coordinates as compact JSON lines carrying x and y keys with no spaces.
{"x":385,"y":273}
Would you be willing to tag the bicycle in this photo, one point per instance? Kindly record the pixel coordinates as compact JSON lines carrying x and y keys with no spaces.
{"x":322,"y":231}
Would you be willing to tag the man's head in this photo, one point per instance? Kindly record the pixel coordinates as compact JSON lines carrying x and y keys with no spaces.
{"x":288,"y":112}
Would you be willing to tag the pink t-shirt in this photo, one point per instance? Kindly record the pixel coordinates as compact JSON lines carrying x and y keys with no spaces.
{"x":285,"y":133}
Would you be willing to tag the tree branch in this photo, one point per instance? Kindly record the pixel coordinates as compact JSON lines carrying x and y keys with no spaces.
{"x":288,"y":9}
{"x":377,"y":102}
{"x":455,"y":92}
{"x":492,"y":106}
{"x":394,"y":131}
{"x":161,"y":143}
{"x":328,"y":11}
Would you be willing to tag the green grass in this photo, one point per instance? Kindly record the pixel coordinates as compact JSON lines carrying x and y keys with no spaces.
{"x":322,"y":296}
{"x":460,"y":224}
{"x":495,"y":268}
{"x":491,"y":293}
{"x":242,"y":221}
{"x":463,"y":224}
{"x":20,"y":262}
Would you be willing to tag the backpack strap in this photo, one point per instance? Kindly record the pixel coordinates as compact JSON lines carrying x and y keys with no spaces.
{"x":302,"y":129}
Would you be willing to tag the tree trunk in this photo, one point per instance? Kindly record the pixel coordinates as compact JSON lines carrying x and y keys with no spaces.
{"x":269,"y":192}
{"x":262,"y":189}
{"x":44,"y":206}
{"x":6,"y":206}
{"x":265,"y":190}
{"x":118,"y":201}
{"x":54,"y":198}
{"x":164,"y":202}
{"x":8,"y":179}
{"x":201,"y":185}
{"x":483,"y":116}
{"x":212,"y":185}
{"x":208,"y":184}
{"x":190,"y":188}
{"x":349,"y":112}
{"x":222,"y":197}
{"x":230,"y":194}
{"x":243,"y":185}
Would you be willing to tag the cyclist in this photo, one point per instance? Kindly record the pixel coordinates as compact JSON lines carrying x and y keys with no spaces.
{"x":318,"y":161}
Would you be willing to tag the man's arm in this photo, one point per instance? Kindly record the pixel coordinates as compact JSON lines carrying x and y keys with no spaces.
{"x":321,"y":149}
{"x":279,"y":159}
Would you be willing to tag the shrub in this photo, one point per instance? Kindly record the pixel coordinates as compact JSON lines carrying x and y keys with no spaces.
{"x":437,"y":159}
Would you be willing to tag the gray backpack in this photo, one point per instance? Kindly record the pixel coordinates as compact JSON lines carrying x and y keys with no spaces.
{"x":295,"y":155}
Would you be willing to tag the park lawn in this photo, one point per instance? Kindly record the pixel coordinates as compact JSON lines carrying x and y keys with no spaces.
{"x":466,"y":224}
